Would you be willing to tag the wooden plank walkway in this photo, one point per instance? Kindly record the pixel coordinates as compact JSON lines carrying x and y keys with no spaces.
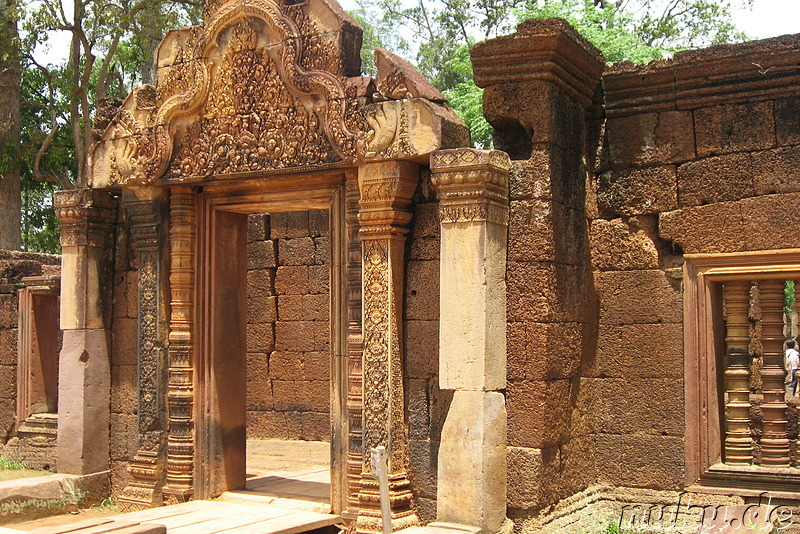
{"x":212,"y":517}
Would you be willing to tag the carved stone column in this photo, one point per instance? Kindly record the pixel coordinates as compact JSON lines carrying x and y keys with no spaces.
{"x":145,"y":209}
{"x":738,"y":442}
{"x":87,"y":230}
{"x":386,"y":191}
{"x":180,"y":397}
{"x":472,"y":186}
{"x":774,"y":440}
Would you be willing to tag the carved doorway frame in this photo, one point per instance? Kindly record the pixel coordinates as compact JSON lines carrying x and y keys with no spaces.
{"x":220,"y":204}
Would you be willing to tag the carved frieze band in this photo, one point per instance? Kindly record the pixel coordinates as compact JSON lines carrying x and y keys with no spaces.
{"x":148,"y":466}
{"x":180,"y":443}
{"x":472,"y":185}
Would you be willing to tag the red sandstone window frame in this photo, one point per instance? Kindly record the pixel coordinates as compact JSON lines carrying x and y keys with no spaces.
{"x":703,"y":341}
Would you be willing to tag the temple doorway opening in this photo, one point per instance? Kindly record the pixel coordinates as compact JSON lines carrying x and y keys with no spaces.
{"x":288,"y":355}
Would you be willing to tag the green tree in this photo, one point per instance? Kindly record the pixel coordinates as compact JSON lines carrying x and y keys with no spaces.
{"x":441,"y":31}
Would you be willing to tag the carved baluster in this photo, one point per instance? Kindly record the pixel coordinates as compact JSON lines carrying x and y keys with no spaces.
{"x":386,"y":191}
{"x":774,"y":441}
{"x":180,"y":444}
{"x":355,"y":352}
{"x":144,"y":207}
{"x":738,"y":443}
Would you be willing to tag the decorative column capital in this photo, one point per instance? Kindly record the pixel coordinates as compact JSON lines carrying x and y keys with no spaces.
{"x":386,"y":190}
{"x":472,"y":185}
{"x":86,"y":217}
{"x":143,"y":206}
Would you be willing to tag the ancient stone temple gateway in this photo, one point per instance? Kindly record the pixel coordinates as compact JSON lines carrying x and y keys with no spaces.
{"x":591,"y":315}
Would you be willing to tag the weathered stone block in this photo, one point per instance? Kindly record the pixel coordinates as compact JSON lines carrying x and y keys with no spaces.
{"x":734,"y":128}
{"x":316,"y":307}
{"x":771,"y":222}
{"x":650,"y":139}
{"x":285,"y":365}
{"x":294,"y":336}
{"x":125,"y":430}
{"x":439,"y":400}
{"x":124,"y":341}
{"x":539,"y":231}
{"x":261,"y":282}
{"x":318,"y":223}
{"x":261,"y":255}
{"x":421,"y":249}
{"x":530,"y":471}
{"x":638,"y":191}
{"x":317,"y":366}
{"x":634,"y":297}
{"x":711,"y":228}
{"x":8,"y":381}
{"x":422,"y":349}
{"x":544,"y":292}
{"x":426,"y":220}
{"x":267,"y":425}
{"x":322,"y":250}
{"x":290,"y":308}
{"x":260,"y":337}
{"x":301,"y":395}
{"x":124,"y":389}
{"x":715,"y":179}
{"x":257,"y":225}
{"x":8,"y":310}
{"x":262,"y":309}
{"x":543,"y":351}
{"x":8,"y":346}
{"x":322,"y":336}
{"x":422,"y":290}
{"x":318,"y":279}
{"x":289,"y":224}
{"x":538,"y":412}
{"x":623,"y":244}
{"x":292,"y":280}
{"x":417,"y":405}
{"x":297,"y":251}
{"x":638,"y":405}
{"x":424,"y":462}
{"x":532,"y":178}
{"x":640,"y":350}
{"x":787,"y":120}
{"x":776,"y":171}
{"x":641,"y":461}
{"x":315,"y":426}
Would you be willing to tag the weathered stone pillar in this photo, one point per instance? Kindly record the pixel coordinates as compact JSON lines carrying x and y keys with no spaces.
{"x":472,"y":186}
{"x":145,"y":208}
{"x":84,"y":377}
{"x":386,"y":191}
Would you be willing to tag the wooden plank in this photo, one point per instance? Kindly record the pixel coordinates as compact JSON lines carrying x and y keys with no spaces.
{"x":164,"y":511}
{"x":293,"y":524}
{"x":223,"y":524}
{"x":86,"y":523}
{"x":231,"y":513}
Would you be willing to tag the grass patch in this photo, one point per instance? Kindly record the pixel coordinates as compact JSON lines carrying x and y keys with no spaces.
{"x":5,"y":463}
{"x":107,"y":505}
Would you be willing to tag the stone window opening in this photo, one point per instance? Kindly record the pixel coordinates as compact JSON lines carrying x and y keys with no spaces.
{"x":741,"y":425}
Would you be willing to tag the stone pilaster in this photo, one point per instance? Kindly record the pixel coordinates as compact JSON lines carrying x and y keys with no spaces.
{"x":386,"y":191}
{"x":472,"y":187}
{"x":145,"y":209}
{"x":87,"y":225}
{"x":180,"y":397}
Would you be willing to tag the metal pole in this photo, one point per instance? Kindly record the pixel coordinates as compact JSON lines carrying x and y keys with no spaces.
{"x":380,"y":468}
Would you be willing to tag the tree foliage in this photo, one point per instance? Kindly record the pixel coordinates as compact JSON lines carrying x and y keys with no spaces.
{"x":436,"y":34}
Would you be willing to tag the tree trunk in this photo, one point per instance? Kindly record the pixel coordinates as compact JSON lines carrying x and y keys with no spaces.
{"x":10,"y":202}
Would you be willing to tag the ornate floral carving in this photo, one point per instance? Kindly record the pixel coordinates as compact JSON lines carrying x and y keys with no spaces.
{"x":472,"y":185}
{"x":301,"y":59}
{"x":387,"y":135}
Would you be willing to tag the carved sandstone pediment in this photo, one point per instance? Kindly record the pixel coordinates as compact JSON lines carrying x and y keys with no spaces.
{"x":261,"y":87}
